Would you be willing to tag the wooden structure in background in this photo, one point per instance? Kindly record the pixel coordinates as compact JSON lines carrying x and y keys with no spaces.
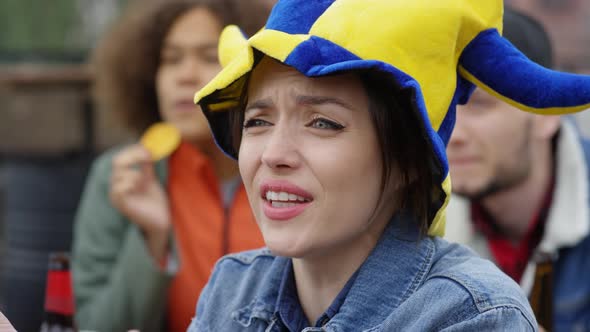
{"x":46,"y":110}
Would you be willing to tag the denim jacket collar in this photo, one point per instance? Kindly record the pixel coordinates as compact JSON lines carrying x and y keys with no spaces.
{"x":374,"y":296}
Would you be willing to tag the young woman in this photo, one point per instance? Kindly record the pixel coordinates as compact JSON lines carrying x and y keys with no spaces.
{"x":338,"y":113}
{"x":339,"y":180}
{"x":147,"y":235}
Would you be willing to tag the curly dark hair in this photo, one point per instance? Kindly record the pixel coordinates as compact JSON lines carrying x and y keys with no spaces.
{"x":126,"y":60}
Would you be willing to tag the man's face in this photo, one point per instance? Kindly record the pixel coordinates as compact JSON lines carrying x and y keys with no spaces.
{"x":491,"y":147}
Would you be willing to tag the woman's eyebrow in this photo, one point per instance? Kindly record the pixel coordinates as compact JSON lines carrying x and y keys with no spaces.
{"x":301,"y":100}
{"x":322,"y":100}
{"x":200,"y":47}
{"x":259,"y":104}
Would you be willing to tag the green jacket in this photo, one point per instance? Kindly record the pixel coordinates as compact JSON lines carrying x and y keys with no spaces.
{"x":116,"y":282}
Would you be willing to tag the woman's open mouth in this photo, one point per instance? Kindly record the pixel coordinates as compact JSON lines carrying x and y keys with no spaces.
{"x":283,"y":200}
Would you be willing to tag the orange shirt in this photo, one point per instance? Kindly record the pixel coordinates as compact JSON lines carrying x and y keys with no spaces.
{"x":202,"y":228}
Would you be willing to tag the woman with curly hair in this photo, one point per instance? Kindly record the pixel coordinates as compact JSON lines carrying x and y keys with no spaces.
{"x":148,"y":234}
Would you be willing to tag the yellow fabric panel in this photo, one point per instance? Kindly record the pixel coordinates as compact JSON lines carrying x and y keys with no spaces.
{"x":437,"y":228}
{"x":543,"y":111}
{"x":231,"y":43}
{"x":237,"y":68}
{"x":346,"y":23}
{"x":276,"y":44}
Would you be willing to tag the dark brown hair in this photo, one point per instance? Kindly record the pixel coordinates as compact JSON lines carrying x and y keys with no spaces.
{"x":406,"y":152}
{"x":126,"y":61}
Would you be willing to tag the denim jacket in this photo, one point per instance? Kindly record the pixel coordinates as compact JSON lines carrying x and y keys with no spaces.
{"x":404,"y":285}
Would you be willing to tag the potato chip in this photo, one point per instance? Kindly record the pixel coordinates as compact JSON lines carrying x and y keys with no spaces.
{"x":160,"y":139}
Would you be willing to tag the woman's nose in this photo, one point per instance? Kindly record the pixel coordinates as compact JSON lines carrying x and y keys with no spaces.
{"x":460,"y":132}
{"x":281,"y":150}
{"x":189,"y":72}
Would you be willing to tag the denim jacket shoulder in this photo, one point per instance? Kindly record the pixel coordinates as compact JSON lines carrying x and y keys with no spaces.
{"x":239,"y":293}
{"x":426,"y":285}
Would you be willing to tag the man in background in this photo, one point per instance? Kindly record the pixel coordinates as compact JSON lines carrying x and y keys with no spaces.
{"x":523,"y":189}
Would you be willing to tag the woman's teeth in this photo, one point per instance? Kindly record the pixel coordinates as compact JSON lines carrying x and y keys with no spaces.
{"x":281,"y":204}
{"x":283,"y":199}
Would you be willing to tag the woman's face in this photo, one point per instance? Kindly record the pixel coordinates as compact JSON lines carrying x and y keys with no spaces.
{"x":188,"y":60}
{"x":310,"y":161}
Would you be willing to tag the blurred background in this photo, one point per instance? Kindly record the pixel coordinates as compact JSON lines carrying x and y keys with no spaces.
{"x":568,"y":25}
{"x":50,"y":130}
{"x":49,"y":134}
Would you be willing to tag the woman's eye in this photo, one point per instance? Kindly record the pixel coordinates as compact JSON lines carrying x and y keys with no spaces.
{"x":255,"y":123}
{"x":210,"y":57}
{"x":321,"y":123}
{"x":170,"y":59}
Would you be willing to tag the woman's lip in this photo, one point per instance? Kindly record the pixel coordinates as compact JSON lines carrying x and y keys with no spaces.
{"x":283,"y":213}
{"x":283,"y":186}
{"x":185,"y":106}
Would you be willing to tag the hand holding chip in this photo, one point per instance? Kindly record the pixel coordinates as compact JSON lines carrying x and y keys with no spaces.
{"x":136,"y":191}
{"x":161,"y":139}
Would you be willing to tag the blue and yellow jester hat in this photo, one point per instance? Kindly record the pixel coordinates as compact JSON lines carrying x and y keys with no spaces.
{"x":437,"y":49}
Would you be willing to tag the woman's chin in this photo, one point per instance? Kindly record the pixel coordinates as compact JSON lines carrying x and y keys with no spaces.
{"x":284,"y":248}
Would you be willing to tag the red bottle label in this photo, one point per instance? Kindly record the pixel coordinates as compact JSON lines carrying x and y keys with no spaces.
{"x":59,"y":295}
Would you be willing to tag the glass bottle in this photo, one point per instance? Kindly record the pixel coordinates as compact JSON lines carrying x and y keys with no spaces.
{"x":59,"y":296}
